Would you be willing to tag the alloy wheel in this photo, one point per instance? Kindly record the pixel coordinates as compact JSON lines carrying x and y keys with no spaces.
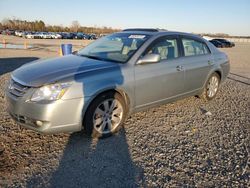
{"x":212,"y":86}
{"x":107,"y":116}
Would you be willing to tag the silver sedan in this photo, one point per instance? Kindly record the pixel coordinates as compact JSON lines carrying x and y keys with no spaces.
{"x":97,"y":87}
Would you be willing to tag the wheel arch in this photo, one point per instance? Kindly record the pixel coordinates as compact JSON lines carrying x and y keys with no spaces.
{"x":218,"y":72}
{"x":121,"y":92}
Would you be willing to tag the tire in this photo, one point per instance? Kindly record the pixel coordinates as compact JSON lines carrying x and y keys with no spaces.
{"x":211,"y":87}
{"x":105,"y":115}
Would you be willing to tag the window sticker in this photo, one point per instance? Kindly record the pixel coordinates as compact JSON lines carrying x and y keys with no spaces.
{"x":136,"y":36}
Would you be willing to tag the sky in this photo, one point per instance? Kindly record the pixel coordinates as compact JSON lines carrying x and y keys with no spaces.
{"x":198,"y":16}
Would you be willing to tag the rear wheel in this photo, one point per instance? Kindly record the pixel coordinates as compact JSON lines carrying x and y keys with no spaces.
{"x":211,"y":87}
{"x":105,"y":115}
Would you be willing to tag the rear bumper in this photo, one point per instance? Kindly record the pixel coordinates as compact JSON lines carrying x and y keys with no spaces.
{"x":54,"y":117}
{"x":225,"y":70}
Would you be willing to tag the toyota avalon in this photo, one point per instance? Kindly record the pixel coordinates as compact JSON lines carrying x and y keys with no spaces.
{"x":96,"y":88}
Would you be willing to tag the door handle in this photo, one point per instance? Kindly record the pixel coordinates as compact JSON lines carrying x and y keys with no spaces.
{"x":179,"y":68}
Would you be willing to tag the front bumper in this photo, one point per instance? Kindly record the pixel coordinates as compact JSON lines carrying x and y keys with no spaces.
{"x":56,"y":117}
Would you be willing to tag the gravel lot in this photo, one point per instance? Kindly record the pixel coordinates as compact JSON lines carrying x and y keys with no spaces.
{"x":188,"y":143}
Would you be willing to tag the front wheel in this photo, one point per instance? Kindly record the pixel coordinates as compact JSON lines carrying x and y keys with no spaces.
{"x":211,"y":87}
{"x":105,"y":115}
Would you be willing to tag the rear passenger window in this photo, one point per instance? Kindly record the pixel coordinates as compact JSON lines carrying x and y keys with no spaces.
{"x":194,"y":47}
{"x":166,"y":48}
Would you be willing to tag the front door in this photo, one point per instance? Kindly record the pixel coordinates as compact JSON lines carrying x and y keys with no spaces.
{"x":159,"y":81}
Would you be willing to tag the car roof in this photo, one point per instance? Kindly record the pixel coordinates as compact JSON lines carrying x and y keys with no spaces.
{"x":220,"y":39}
{"x":152,"y":31}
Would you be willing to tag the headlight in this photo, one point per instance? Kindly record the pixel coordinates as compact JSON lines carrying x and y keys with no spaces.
{"x":50,"y":92}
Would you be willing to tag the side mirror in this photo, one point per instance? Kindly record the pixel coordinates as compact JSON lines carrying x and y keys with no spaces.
{"x":149,"y":58}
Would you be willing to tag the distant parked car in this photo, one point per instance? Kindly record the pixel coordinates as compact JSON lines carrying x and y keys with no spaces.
{"x":92,"y":37}
{"x":98,"y":87}
{"x":32,"y":35}
{"x":72,"y":35}
{"x":227,"y":43}
{"x":29,"y":35}
{"x":8,"y":32}
{"x":56,"y":36}
{"x":79,"y":35}
{"x":86,"y":37}
{"x":18,"y":33}
{"x":217,"y":43}
{"x":66,"y":35}
{"x":45,"y":35}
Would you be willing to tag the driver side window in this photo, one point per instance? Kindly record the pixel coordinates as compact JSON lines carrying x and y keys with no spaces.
{"x":166,"y":48}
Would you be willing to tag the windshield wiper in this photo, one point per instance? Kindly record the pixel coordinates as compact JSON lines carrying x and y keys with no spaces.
{"x":99,"y":58}
{"x":92,"y":57}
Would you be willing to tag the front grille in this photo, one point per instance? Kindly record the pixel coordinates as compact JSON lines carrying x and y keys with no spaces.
{"x":16,"y":89}
{"x":23,"y":119}
{"x":18,"y":118}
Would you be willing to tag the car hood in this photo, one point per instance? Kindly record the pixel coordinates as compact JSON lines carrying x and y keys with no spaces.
{"x":41,"y":72}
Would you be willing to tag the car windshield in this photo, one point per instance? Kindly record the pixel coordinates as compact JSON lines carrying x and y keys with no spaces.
{"x":118,"y":47}
{"x":222,"y":40}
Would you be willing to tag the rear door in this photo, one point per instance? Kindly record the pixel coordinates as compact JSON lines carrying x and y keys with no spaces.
{"x":197,"y":60}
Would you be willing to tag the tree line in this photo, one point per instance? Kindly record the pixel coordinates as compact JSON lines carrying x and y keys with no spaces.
{"x":39,"y":25}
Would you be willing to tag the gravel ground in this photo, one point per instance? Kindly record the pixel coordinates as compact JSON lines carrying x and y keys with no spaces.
{"x":188,"y":143}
